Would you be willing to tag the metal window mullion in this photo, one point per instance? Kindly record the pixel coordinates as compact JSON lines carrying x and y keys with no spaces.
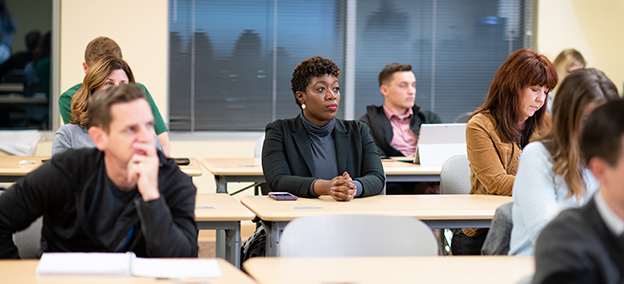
{"x":433,"y":54}
{"x":274,"y":86}
{"x":193,"y":67}
{"x":349,"y":95}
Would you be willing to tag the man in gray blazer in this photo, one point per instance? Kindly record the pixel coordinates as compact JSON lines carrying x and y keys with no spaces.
{"x":586,"y":245}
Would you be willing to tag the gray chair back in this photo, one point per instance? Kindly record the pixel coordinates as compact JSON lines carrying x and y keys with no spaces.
{"x":357,"y":235}
{"x":463,"y":118}
{"x":455,"y":175}
{"x":28,"y":241}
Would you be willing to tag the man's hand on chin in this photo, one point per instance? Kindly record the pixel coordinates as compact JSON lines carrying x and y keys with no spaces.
{"x":143,"y":170}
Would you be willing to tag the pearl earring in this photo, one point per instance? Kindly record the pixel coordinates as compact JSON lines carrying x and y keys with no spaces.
{"x":303,"y":106}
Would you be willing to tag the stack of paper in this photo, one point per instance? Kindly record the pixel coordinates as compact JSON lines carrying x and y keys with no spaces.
{"x":19,"y":142}
{"x":126,"y":264}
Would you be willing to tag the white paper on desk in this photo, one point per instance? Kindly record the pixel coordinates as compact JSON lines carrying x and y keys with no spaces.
{"x":19,"y":142}
{"x":60,"y":263}
{"x":176,"y":268}
{"x":120,"y":264}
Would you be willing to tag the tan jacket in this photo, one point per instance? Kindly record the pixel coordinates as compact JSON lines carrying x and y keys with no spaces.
{"x":493,"y":163}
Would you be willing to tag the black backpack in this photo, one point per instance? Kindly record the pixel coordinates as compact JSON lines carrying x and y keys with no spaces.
{"x":254,"y":246}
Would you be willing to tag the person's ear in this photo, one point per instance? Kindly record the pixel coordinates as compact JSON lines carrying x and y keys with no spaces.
{"x":384,"y":90}
{"x":598,"y":168}
{"x":300,"y":95}
{"x":85,"y":67}
{"x":99,"y":137}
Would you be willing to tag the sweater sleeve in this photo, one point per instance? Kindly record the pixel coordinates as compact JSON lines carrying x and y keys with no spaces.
{"x":275,"y":165}
{"x":65,"y":103}
{"x":62,"y":141}
{"x":534,"y":193}
{"x":484,"y":158}
{"x":159,"y":123}
{"x":373,"y":177}
{"x":168,"y":223}
{"x":366,"y":119}
{"x":25,"y":201}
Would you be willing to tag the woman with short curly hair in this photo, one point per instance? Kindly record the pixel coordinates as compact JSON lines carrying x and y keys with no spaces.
{"x":315,"y":153}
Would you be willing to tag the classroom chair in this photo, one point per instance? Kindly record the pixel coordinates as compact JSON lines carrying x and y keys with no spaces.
{"x":28,"y":241}
{"x":463,"y":118}
{"x":454,"y":179}
{"x":455,"y":175}
{"x":357,"y":235}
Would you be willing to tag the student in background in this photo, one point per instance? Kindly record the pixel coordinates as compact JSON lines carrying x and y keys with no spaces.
{"x":110,"y":71}
{"x":315,"y":153}
{"x":96,"y":50}
{"x":552,"y":175}
{"x":566,"y":62}
{"x":496,"y":133}
{"x":121,"y":196}
{"x":19,"y":59}
{"x":586,"y":245}
{"x":395,"y":125}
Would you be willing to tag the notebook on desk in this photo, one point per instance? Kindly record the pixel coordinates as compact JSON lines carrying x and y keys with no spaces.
{"x":438,"y":142}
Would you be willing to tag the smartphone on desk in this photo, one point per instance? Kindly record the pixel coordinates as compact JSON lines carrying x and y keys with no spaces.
{"x":280,"y":196}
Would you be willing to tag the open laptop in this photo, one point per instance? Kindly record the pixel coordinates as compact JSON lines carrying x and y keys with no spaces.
{"x":438,"y":142}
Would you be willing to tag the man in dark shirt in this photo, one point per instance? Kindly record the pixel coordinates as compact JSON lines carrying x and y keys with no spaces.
{"x":121,"y":196}
{"x":395,"y":125}
{"x":586,"y":245}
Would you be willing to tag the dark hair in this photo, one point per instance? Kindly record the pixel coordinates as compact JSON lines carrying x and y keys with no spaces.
{"x":577,"y":91}
{"x":32,"y":40}
{"x":390,"y":69}
{"x":101,"y":102}
{"x":312,"y":67}
{"x":603,"y":132}
{"x":522,"y":68}
{"x":99,"y":48}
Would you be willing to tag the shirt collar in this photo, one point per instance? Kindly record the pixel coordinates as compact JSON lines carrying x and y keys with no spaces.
{"x":612,"y":220}
{"x":389,"y":114}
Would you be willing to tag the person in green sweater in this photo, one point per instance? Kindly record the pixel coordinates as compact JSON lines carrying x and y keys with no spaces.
{"x":96,"y":50}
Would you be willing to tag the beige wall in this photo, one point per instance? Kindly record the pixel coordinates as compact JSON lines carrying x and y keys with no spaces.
{"x":140,"y":26}
{"x":594,"y":28}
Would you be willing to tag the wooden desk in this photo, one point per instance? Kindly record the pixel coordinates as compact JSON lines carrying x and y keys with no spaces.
{"x":363,"y":270}
{"x":437,"y":211}
{"x":250,"y":170}
{"x":23,"y":272}
{"x":14,"y":167}
{"x":193,"y":169}
{"x":223,"y":213}
{"x":402,"y":171}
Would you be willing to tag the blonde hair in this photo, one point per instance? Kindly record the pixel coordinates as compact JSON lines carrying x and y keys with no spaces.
{"x":565,"y":60}
{"x":578,"y":90}
{"x":95,"y":78}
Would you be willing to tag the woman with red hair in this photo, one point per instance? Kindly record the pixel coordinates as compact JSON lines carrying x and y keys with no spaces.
{"x":513,"y":113}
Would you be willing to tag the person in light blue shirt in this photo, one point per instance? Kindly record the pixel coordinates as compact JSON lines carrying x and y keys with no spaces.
{"x":551,"y":176}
